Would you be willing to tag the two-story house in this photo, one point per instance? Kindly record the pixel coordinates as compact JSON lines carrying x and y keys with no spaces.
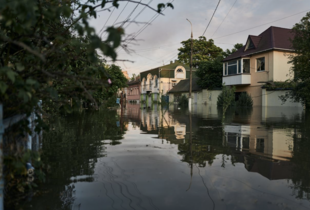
{"x":263,"y":59}
{"x":156,"y":82}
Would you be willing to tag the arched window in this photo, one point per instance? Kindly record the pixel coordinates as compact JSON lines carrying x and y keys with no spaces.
{"x":180,"y":71}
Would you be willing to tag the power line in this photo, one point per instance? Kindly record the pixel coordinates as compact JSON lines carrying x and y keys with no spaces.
{"x":261,"y":25}
{"x":212,"y":17}
{"x":145,"y":26}
{"x":106,"y":22}
{"x":120,"y":13}
{"x":132,"y":11}
{"x":139,"y":13}
{"x":224,"y":18}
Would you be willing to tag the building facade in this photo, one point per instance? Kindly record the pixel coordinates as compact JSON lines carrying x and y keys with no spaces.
{"x":156,"y":82}
{"x":263,"y":59}
{"x":133,"y":91}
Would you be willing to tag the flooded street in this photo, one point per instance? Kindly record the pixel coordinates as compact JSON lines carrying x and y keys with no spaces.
{"x":166,"y":158}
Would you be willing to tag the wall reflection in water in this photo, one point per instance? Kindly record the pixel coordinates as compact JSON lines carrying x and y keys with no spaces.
{"x":273,"y":141}
{"x":168,"y":158}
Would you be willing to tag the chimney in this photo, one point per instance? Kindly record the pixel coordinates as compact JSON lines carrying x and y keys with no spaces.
{"x":175,"y":61}
{"x":171,"y":62}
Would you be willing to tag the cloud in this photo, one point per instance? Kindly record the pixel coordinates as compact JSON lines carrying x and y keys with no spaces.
{"x":161,"y":38}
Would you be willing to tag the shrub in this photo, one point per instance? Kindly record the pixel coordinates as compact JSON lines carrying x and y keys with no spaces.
{"x":245,"y":100}
{"x":183,"y":101}
{"x":227,"y":97}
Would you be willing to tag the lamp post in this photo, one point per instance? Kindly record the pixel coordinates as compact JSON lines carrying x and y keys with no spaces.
{"x":190,"y":71}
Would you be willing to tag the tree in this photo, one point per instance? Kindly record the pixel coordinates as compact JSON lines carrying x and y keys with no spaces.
{"x":210,"y":73}
{"x":301,"y":63}
{"x":133,"y":78}
{"x":118,"y":81}
{"x":203,"y":50}
{"x":49,"y":52}
{"x":235,"y":49}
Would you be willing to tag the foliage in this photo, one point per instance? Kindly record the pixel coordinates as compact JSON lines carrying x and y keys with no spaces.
{"x":226,"y":99}
{"x":203,"y":50}
{"x":134,"y":77}
{"x":183,"y":101}
{"x":301,"y":63}
{"x":50,"y":53}
{"x":245,"y":100}
{"x":229,"y":52}
{"x":210,"y":73}
{"x":119,"y":81}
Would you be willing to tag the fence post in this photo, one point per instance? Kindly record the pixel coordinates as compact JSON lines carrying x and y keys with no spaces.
{"x":1,"y":159}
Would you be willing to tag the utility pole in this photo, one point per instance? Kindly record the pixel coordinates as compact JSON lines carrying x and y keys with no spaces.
{"x":190,"y":71}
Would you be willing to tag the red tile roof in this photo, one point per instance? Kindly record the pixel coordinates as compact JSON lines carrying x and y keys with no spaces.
{"x":271,"y":39}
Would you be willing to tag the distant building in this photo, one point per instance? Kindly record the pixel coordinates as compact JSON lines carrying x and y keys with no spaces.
{"x":156,"y":82}
{"x":262,"y":60}
{"x":133,"y":91}
{"x":126,"y":75}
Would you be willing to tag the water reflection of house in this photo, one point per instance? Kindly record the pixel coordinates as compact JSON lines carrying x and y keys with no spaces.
{"x":133,"y":114}
{"x":272,"y":143}
{"x":162,"y":123}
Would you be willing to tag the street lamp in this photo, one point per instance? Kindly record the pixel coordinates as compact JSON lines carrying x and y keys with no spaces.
{"x":190,"y":71}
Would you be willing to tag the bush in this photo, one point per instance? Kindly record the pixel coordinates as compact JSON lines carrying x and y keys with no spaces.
{"x":245,"y":100}
{"x":183,"y":101}
{"x":227,"y":97}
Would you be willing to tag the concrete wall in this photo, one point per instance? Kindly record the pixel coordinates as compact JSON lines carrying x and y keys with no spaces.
{"x":271,"y":98}
{"x":201,"y":97}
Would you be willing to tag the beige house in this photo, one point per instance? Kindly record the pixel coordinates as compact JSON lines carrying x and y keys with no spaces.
{"x":263,"y":59}
{"x":156,"y":82}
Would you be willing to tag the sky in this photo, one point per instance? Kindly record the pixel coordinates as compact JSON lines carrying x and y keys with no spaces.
{"x":158,"y":43}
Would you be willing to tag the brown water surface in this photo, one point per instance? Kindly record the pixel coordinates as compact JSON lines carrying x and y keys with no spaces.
{"x":166,"y":158}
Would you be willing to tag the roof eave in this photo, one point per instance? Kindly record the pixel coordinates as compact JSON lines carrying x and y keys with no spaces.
{"x":269,"y":49}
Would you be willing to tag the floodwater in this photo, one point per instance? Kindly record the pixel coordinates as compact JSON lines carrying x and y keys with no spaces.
{"x":166,"y":158}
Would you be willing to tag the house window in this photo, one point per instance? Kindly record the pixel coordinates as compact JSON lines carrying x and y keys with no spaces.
{"x":260,"y":145}
{"x":180,"y":71}
{"x":239,"y":66}
{"x":260,"y":64}
{"x":232,"y":67}
{"x":156,"y":82}
{"x":246,"y":65}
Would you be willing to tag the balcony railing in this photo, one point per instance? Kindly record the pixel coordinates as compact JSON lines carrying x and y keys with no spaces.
{"x":237,"y":79}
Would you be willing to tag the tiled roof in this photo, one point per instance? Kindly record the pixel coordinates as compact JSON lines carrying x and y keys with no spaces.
{"x":272,"y":38}
{"x":183,"y":86}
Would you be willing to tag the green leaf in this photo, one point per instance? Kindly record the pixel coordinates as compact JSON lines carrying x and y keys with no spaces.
{"x":115,"y":3}
{"x":19,"y":67}
{"x":160,"y":7}
{"x":31,"y":81}
{"x":170,"y":5}
{"x":11,"y":75}
{"x":103,"y":3}
{"x":3,"y":87}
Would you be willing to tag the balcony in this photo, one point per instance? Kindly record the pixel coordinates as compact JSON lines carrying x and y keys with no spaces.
{"x":237,"y":79}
